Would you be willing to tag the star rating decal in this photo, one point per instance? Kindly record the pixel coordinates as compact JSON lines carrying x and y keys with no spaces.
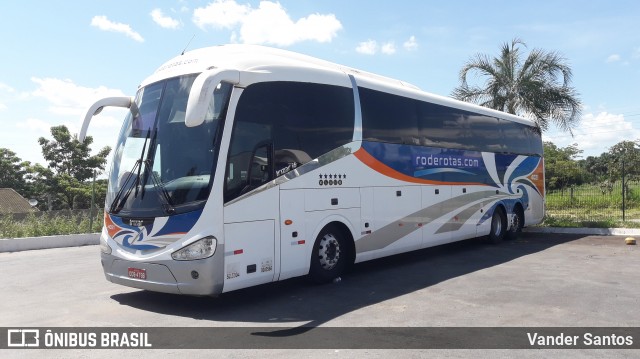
{"x":331,"y":179}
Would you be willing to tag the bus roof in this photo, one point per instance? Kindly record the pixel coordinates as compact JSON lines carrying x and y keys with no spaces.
{"x":245,"y":57}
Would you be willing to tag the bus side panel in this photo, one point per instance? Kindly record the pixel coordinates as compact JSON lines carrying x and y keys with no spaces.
{"x":463,"y":221}
{"x":251,"y":251}
{"x":295,"y":244}
{"x":249,"y":254}
{"x":395,"y":208}
{"x":394,"y":224}
{"x":435,"y":229}
{"x":535,"y":213}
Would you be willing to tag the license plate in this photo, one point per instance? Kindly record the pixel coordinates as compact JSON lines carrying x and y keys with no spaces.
{"x":137,"y":273}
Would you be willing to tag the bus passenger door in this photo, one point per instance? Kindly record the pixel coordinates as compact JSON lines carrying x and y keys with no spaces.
{"x":249,"y":220}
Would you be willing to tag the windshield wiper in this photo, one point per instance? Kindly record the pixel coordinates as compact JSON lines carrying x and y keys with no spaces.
{"x":116,"y":204}
{"x":162,"y":192}
{"x":119,"y":200}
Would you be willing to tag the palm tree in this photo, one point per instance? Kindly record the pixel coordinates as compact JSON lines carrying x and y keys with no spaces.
{"x":537,"y":88}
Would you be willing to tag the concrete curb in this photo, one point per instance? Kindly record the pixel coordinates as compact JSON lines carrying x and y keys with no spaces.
{"x":589,"y":231}
{"x":31,"y":243}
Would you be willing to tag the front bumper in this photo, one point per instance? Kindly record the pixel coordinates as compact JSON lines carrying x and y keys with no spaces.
{"x":170,"y":276}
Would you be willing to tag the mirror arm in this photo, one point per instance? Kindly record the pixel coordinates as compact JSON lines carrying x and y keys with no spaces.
{"x":202,"y":93}
{"x":97,"y":107}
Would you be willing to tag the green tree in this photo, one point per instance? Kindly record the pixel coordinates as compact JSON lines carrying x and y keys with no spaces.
{"x":561,"y":166}
{"x":537,"y":87}
{"x":67,"y":155}
{"x":41,"y":184}
{"x":596,"y":167}
{"x":65,"y":183}
{"x":627,"y":153}
{"x":13,"y":171}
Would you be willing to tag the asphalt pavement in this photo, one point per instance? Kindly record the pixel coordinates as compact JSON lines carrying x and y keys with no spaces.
{"x":539,"y":280}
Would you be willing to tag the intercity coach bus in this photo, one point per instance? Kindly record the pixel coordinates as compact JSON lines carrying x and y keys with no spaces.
{"x":239,"y":165}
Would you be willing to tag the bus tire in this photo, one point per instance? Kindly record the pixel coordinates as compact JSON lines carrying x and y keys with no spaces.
{"x":498,"y":226}
{"x":517,"y":222}
{"x":329,"y":255}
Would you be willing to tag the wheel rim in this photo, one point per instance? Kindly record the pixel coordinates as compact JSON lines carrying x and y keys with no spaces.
{"x":515,"y":222}
{"x":328,"y":251}
{"x":496,"y":224}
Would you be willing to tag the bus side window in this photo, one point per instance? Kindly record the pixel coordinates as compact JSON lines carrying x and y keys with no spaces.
{"x":302,"y":121}
{"x":245,"y":140}
{"x":389,"y":118}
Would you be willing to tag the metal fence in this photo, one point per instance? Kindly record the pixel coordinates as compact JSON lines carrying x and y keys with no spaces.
{"x":606,"y":203}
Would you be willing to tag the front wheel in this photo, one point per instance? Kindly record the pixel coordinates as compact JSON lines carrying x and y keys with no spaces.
{"x":329,"y":255}
{"x":498,"y":226}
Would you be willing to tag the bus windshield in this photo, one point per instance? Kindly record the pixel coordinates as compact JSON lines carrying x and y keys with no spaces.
{"x":160,"y":166}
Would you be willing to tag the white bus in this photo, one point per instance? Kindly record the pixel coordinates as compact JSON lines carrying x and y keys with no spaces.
{"x":239,"y":165}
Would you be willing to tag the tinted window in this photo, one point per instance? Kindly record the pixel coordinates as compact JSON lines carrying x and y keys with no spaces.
{"x":397,"y":119}
{"x":442,"y":126}
{"x":301,"y":121}
{"x":389,"y":118}
{"x":312,"y":118}
{"x":486,"y":134}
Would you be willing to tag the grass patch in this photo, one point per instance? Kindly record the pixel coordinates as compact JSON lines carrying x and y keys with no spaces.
{"x":569,"y":222}
{"x":37,"y":226}
{"x":593,"y":206}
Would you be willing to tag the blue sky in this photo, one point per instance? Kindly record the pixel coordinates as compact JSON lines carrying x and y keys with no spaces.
{"x":57,"y":57}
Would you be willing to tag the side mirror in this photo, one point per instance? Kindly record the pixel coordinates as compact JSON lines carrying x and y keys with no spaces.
{"x":201,"y":93}
{"x":97,"y":107}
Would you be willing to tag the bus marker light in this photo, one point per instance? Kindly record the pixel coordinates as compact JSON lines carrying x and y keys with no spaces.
{"x":288,"y":222}
{"x":238,"y":251}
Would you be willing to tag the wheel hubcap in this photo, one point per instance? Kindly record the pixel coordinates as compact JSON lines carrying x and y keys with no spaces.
{"x":328,"y":251}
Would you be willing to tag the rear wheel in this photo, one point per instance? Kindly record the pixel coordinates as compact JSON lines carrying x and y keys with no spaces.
{"x":498,"y":226}
{"x":329,"y":255}
{"x":517,"y":222}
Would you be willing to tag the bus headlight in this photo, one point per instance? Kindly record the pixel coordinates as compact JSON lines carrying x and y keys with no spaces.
{"x":199,"y":249}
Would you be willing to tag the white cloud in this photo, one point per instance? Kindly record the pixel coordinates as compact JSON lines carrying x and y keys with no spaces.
{"x":613,"y":58}
{"x":388,"y":48}
{"x":166,"y":22}
{"x":6,"y":88}
{"x":34,"y":124}
{"x":369,"y":47}
{"x":102,"y":23}
{"x":268,"y":24}
{"x":67,"y":98}
{"x":598,"y":132}
{"x":411,"y":44}
{"x":220,"y":14}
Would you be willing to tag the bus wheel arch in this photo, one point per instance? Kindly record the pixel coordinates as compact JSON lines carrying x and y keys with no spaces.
{"x":333,"y":252}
